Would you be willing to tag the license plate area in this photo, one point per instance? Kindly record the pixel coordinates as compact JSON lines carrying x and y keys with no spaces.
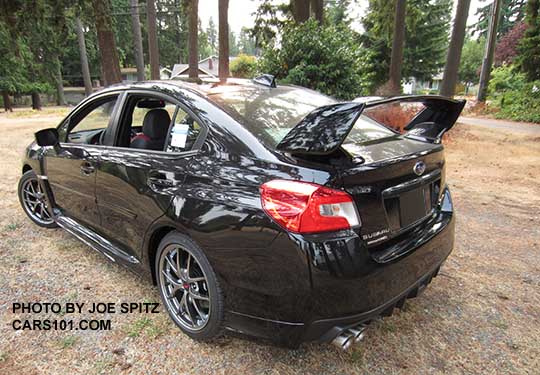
{"x":410,"y":202}
{"x":414,"y":205}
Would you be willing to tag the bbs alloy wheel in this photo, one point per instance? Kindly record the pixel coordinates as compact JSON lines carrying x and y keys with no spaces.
{"x":188,"y":286}
{"x":32,"y":199}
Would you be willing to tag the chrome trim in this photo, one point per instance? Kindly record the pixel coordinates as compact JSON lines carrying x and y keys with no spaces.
{"x":411,"y":184}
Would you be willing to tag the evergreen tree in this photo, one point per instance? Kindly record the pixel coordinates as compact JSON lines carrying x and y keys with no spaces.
{"x":426,"y":38}
{"x":529,"y":47}
{"x":337,"y":12}
{"x":512,"y":12}
{"x":211,"y":32}
{"x":233,"y":44}
{"x":246,"y":42}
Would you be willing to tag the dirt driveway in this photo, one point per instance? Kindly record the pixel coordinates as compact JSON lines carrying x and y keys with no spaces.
{"x":482,"y":315}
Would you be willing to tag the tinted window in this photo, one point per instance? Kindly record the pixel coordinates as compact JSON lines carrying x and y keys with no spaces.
{"x":184,"y":132}
{"x":271,"y":113}
{"x":86,"y":125}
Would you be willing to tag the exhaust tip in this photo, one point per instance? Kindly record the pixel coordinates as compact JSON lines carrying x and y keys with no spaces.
{"x":344,"y":341}
{"x":352,"y":335}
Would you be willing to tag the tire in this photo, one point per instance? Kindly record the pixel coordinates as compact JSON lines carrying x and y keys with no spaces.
{"x":192,"y":296}
{"x":32,"y":202}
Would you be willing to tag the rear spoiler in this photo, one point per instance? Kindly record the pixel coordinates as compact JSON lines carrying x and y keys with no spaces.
{"x":323,"y":131}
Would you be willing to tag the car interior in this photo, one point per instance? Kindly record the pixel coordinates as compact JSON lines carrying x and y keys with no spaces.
{"x":145,"y":124}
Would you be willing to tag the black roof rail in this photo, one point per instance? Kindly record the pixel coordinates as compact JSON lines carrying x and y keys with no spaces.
{"x":266,"y":80}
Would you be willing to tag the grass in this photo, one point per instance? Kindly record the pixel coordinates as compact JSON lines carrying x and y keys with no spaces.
{"x":67,"y":342}
{"x":496,"y":254}
{"x":12,"y":227}
{"x":147,"y":326}
{"x":45,"y":111}
{"x":135,"y":329}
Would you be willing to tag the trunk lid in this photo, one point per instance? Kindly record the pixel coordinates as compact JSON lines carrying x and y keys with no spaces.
{"x":395,"y":179}
{"x":397,"y":188}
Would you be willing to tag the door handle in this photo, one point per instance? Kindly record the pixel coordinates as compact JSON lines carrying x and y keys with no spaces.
{"x":87,"y":168}
{"x":157,"y":181}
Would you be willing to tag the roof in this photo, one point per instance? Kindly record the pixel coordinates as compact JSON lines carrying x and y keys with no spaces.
{"x":207,"y":66}
{"x":128,"y":70}
{"x":207,"y":88}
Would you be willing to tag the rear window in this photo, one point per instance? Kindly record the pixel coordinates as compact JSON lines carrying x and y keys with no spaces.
{"x":270,"y":114}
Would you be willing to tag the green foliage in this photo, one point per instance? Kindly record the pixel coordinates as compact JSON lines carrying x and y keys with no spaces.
{"x":31,"y":36}
{"x":337,"y":12}
{"x":513,"y":96}
{"x":512,"y":12}
{"x":243,"y":66}
{"x":233,"y":45}
{"x":426,"y":38}
{"x":270,"y":20}
{"x":246,"y":42}
{"x":529,"y":47}
{"x":472,"y":55}
{"x":212,"y":34}
{"x":324,"y":58}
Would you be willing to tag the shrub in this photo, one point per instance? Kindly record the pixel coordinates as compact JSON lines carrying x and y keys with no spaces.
{"x":513,"y":97}
{"x":244,"y":66}
{"x":323,"y":58}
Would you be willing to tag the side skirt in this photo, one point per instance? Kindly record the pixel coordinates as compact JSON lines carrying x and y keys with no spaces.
{"x":97,"y":242}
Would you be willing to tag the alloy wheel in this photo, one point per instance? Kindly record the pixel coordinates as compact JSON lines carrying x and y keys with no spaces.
{"x":34,"y":203}
{"x":185,"y":287}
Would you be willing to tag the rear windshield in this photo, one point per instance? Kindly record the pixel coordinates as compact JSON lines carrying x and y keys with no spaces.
{"x":271,"y":113}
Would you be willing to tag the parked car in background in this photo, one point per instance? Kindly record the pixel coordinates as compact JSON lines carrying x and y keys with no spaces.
{"x":269,"y":210}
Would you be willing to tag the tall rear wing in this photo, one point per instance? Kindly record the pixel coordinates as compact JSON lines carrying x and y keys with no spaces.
{"x":323,"y":130}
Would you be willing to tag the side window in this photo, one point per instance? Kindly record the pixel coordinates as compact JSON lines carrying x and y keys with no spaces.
{"x":139,"y":114}
{"x":184,"y":132}
{"x":86,"y":127}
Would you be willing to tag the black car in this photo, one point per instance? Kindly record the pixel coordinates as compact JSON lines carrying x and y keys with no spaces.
{"x":272,"y":211}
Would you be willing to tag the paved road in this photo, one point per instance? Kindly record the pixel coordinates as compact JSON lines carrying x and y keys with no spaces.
{"x":510,"y":126}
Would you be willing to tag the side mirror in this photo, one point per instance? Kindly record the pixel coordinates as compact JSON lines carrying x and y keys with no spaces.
{"x":47,"y":137}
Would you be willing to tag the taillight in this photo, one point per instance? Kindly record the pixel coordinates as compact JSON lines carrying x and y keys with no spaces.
{"x":303,"y":207}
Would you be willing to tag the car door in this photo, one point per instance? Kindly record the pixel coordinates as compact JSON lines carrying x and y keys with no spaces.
{"x":134,"y":187}
{"x":71,"y":167}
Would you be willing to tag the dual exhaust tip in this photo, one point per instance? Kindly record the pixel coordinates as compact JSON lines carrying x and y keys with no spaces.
{"x":350,"y":336}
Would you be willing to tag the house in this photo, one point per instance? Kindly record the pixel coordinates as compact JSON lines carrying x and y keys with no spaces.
{"x":417,"y":86}
{"x":165,"y":73}
{"x":208,"y":68}
{"x":128,"y":75}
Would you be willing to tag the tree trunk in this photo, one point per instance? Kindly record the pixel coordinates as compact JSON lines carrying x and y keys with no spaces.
{"x":451,"y":69}
{"x":36,"y":101}
{"x":153,"y":48}
{"x":137,"y":39}
{"x":490,"y":51}
{"x":7,"y":101}
{"x":84,"y":58}
{"x":60,"y":99}
{"x":300,"y":10}
{"x":223,"y":38}
{"x":193,"y":48}
{"x":106,"y":42}
{"x":396,"y":60}
{"x":317,"y":9}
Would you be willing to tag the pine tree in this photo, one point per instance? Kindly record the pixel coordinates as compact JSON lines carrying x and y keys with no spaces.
{"x":512,"y":12}
{"x":211,"y":32}
{"x":529,"y":47}
{"x":426,"y":38}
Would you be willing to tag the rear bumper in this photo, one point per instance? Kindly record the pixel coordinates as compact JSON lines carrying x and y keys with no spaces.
{"x":351,"y":286}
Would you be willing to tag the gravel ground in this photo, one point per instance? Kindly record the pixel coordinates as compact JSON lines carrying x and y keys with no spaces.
{"x":482,"y":315}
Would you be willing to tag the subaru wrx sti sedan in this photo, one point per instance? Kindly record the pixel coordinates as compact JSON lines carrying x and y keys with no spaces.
{"x":268,"y":210}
